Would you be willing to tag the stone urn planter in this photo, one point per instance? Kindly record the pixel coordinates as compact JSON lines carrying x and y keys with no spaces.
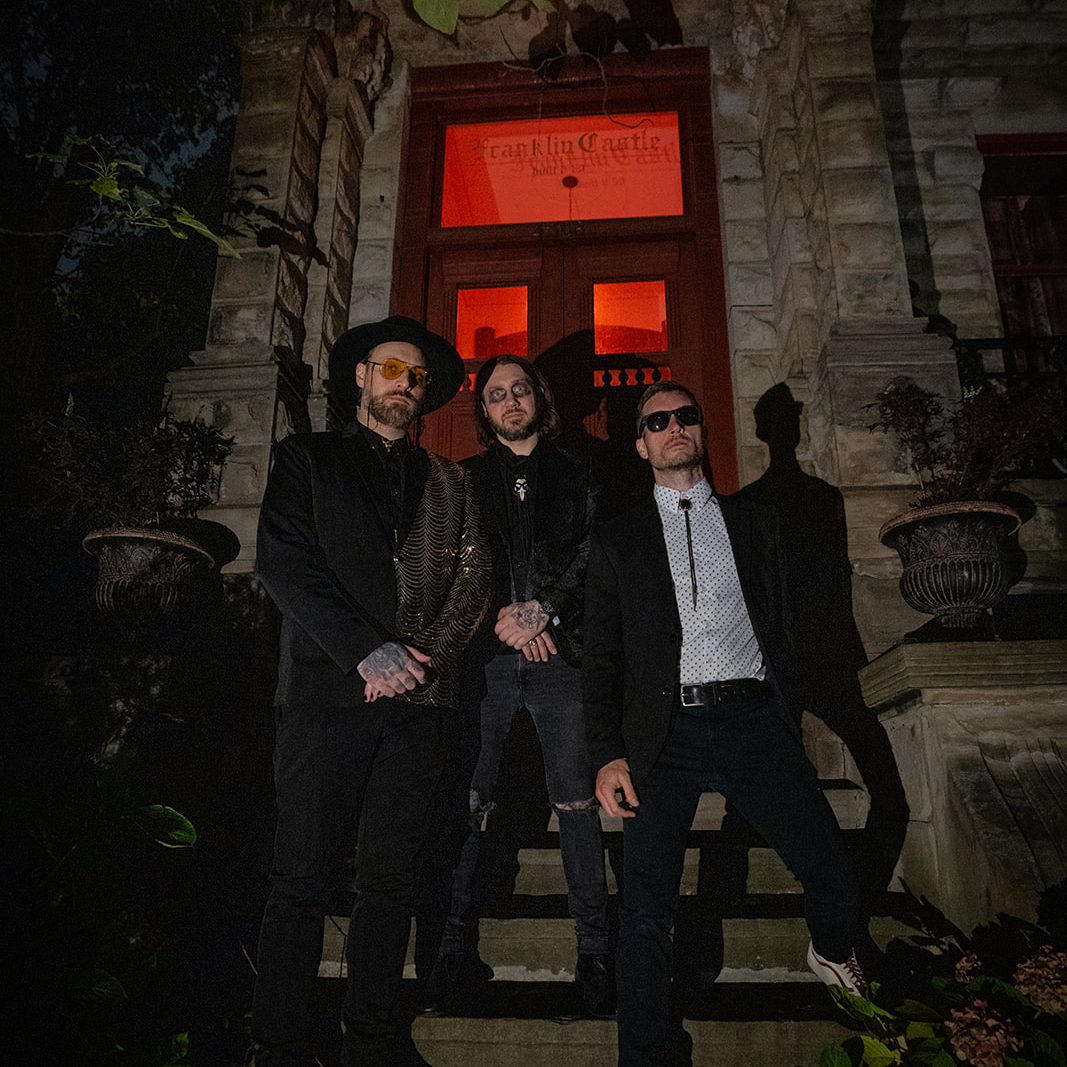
{"x":952,"y":561}
{"x":146,"y":575}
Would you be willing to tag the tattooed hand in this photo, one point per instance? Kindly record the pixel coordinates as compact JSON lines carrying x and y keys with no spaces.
{"x":518,"y":625}
{"x":392,"y":669}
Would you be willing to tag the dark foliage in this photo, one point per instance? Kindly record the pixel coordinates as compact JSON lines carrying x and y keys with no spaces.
{"x":996,"y":433}
{"x":156,"y":77}
{"x":83,"y":475}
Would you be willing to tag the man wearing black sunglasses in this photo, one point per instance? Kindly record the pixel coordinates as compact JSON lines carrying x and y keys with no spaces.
{"x":689,"y":685}
{"x":372,"y":549}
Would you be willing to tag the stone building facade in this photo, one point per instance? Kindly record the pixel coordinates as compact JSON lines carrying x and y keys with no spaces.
{"x":847,"y":140}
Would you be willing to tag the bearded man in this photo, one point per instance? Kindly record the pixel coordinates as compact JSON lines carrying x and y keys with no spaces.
{"x":372,"y":550}
{"x":538,"y":503}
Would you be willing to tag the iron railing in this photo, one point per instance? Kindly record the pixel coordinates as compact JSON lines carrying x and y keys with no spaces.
{"x":1011,"y":360}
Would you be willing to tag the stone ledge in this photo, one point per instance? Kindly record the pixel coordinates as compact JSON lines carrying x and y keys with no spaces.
{"x":1003,"y":665}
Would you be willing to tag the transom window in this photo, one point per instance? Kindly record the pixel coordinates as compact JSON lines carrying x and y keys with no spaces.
{"x":570,"y":168}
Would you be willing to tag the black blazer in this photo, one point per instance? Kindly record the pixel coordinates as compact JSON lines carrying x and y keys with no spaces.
{"x":325,"y":553}
{"x":564,"y":512}
{"x":633,"y":633}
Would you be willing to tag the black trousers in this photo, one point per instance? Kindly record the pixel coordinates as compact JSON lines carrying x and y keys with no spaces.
{"x":749,"y":751}
{"x":367,"y":772}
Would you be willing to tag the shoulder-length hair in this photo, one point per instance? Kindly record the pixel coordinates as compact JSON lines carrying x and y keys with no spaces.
{"x":546,"y":418}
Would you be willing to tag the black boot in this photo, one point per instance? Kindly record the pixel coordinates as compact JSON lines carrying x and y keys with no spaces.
{"x":457,"y":983}
{"x":596,"y":983}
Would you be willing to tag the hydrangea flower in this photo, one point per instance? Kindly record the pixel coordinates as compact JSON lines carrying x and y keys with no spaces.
{"x":982,"y":1036}
{"x":968,"y":966}
{"x":1043,"y":978}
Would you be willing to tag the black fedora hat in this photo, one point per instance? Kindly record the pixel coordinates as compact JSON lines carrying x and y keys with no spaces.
{"x":353,"y":346}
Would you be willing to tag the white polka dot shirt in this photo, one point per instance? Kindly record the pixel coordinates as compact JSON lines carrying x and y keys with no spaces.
{"x":718,"y":642}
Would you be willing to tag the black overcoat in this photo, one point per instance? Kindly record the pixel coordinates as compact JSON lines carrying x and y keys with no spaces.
{"x":326,"y":553}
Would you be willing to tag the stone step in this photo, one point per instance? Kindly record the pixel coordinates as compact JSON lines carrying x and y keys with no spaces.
{"x":452,"y":1042}
{"x":733,"y":868}
{"x":535,"y":1024}
{"x":761,"y":939}
{"x":848,"y":800}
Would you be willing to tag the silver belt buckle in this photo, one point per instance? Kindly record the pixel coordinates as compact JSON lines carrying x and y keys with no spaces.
{"x":692,"y":696}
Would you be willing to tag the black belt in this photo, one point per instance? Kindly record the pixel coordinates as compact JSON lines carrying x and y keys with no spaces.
{"x":713,"y":693}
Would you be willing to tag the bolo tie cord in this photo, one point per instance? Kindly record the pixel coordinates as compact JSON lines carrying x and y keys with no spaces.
{"x":685,"y":504}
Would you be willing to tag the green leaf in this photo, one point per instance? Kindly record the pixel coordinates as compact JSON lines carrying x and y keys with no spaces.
{"x":175,"y":1050}
{"x":1047,"y":1045}
{"x":106,"y":185}
{"x":442,"y":15}
{"x":857,"y":1007}
{"x":944,"y":1059}
{"x":101,"y":988}
{"x":170,"y":228}
{"x":917,"y":1010}
{"x":877,"y":1054}
{"x":165,"y":826}
{"x":481,"y":8}
{"x":920,"y":1032}
{"x":51,"y":157}
{"x":143,"y":197}
{"x":948,"y":988}
{"x":183,"y":217}
{"x":834,"y":1056}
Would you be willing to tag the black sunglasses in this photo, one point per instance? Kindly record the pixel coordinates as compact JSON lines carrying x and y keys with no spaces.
{"x":658,"y":421}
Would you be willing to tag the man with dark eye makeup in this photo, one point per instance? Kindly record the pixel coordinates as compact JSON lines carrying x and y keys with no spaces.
{"x":538,"y":504}
{"x":372,"y":549}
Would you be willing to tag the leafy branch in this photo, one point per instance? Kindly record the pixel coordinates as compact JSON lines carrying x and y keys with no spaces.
{"x":120,"y":184}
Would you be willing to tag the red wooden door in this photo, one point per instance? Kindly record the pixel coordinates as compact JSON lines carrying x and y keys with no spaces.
{"x":562,"y":281}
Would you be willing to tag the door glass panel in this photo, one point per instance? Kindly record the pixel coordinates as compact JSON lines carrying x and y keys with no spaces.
{"x":630,"y":317}
{"x":547,"y":170}
{"x":490,"y":322}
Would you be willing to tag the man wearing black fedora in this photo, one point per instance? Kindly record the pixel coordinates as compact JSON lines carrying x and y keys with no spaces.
{"x":372,"y":550}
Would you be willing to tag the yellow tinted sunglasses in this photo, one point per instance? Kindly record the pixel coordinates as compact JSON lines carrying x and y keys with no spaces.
{"x":394,"y":368}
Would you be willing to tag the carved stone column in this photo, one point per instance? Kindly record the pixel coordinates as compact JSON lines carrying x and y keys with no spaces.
{"x":311,"y":70}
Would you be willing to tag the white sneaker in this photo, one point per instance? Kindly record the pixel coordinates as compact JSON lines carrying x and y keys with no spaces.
{"x":847,"y":975}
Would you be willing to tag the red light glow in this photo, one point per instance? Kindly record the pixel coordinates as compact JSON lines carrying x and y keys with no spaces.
{"x":577,"y":167}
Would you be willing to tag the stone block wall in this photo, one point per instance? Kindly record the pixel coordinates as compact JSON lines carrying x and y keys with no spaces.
{"x":310,"y":73}
{"x":848,"y":168}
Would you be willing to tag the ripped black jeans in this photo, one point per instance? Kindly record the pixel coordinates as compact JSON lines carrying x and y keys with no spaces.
{"x":551,"y":693}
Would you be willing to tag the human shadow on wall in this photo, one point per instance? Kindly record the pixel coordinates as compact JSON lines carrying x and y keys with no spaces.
{"x":811,"y":515}
{"x":830,"y":652}
{"x":598,"y":420}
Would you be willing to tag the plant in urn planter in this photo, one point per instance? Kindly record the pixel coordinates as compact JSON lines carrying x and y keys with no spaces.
{"x":137,"y":490}
{"x":950,"y":539}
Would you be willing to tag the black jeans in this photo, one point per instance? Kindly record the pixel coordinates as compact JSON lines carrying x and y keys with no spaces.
{"x":366,"y":772}
{"x":751,"y":753}
{"x":551,"y":692}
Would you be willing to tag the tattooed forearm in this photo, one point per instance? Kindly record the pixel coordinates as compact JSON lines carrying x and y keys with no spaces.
{"x":384,"y":663}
